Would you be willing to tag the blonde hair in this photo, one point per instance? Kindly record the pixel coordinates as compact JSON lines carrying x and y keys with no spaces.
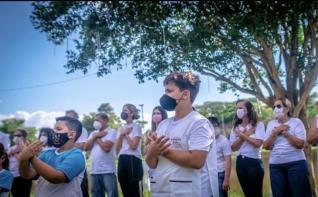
{"x":133,"y":109}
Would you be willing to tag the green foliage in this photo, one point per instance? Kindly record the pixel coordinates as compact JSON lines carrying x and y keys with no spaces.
{"x":11,"y":124}
{"x":114,"y":121}
{"x":256,"y":47}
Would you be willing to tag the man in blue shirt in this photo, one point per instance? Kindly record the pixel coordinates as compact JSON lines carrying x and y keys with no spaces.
{"x":58,"y":168}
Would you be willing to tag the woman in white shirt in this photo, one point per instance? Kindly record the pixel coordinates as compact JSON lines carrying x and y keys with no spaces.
{"x":223,"y":158}
{"x":128,"y":146}
{"x":285,"y":138}
{"x":246,"y":138}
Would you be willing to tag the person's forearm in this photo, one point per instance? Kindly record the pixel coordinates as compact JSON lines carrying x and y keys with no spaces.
{"x":237,"y":144}
{"x":119,"y":144}
{"x":151,"y":161}
{"x":104,"y":145}
{"x":25,"y":170}
{"x":227,"y":168}
{"x":254,"y":142}
{"x":133,"y":142}
{"x":268,"y":143}
{"x":313,"y":135}
{"x":186,"y":158}
{"x":89,"y":144}
{"x":298,"y":143}
{"x":47,"y":172}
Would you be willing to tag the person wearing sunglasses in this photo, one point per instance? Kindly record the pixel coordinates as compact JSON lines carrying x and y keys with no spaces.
{"x":247,"y":138}
{"x":285,"y":138}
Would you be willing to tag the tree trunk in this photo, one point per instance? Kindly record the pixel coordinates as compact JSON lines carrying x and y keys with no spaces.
{"x":308,"y":153}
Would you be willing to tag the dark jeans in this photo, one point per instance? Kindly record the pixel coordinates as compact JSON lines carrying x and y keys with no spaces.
{"x":250,"y":173}
{"x":21,"y":187}
{"x":84,"y":185}
{"x":130,"y":175}
{"x":222,"y":193}
{"x":290,"y":179}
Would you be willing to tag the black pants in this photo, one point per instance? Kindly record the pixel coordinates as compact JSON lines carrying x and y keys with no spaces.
{"x":130,"y":175}
{"x":250,"y":173}
{"x":21,"y":187}
{"x":84,"y":185}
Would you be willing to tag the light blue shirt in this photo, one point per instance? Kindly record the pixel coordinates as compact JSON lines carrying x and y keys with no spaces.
{"x":6,"y":179}
{"x":71,"y":163}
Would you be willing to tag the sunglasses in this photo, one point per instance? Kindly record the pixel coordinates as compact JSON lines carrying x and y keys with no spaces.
{"x":17,"y":135}
{"x":277,"y":106}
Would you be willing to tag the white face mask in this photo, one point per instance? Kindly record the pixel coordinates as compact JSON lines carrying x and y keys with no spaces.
{"x":44,"y":139}
{"x":97,"y":125}
{"x":278,"y":112}
{"x":17,"y":140}
{"x":240,"y":113}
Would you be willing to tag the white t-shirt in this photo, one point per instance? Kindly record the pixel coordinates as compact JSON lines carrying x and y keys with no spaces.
{"x":125,"y":148}
{"x":223,"y":149}
{"x":193,"y":132}
{"x":247,"y":149}
{"x":5,"y":140}
{"x":83,"y":137}
{"x":283,"y":151}
{"x":103,"y":162}
{"x":14,"y":163}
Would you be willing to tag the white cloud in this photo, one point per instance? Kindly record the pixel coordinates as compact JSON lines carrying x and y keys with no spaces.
{"x":36,"y":119}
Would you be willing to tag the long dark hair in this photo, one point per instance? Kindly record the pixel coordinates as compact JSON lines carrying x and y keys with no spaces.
{"x":48,"y":131}
{"x":251,"y":114}
{"x":164,"y":115}
{"x":5,"y":164}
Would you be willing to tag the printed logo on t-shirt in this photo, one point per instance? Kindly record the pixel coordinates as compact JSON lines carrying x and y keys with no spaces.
{"x":176,"y":142}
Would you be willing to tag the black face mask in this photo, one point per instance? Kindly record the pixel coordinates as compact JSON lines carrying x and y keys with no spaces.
{"x":124,"y":115}
{"x":168,"y":103}
{"x":57,"y":139}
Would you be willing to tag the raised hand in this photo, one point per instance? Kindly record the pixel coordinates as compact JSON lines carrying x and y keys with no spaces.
{"x":31,"y":150}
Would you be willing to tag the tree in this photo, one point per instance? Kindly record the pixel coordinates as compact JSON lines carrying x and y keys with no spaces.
{"x":11,"y":124}
{"x":264,"y":48}
{"x":114,"y":121}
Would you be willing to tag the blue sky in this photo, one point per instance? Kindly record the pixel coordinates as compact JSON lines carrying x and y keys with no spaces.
{"x":28,"y":59}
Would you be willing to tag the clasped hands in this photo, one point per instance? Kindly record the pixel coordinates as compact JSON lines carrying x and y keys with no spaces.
{"x":30,"y":150}
{"x":158,"y":145}
{"x":246,"y":132}
{"x":281,"y":129}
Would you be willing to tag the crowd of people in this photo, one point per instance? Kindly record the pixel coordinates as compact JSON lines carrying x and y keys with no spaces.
{"x":187,"y":154}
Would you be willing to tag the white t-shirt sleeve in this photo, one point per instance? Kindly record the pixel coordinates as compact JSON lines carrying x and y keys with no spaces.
{"x":300,"y":131}
{"x":111,"y":136}
{"x":83,"y":137}
{"x":201,"y":138}
{"x":269,"y":130}
{"x":260,"y":131}
{"x":136,"y":132}
{"x":226,"y":147}
{"x":233,"y":136}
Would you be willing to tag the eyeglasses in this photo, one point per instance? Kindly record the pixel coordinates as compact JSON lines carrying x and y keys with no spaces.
{"x":17,"y":135}
{"x":277,"y":106}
